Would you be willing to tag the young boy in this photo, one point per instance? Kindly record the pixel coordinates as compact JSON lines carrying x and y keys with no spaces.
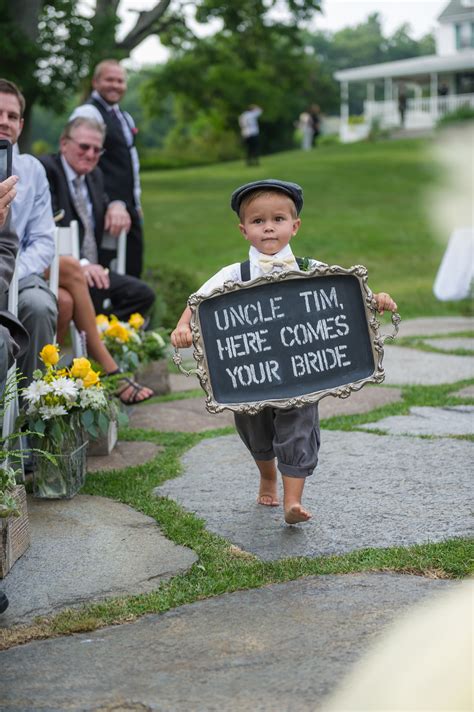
{"x":269,"y":217}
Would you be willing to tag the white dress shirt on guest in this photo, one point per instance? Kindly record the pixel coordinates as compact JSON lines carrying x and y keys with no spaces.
{"x":32,"y":215}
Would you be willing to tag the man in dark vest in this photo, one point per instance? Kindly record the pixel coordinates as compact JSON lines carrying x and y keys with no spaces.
{"x":119,"y":163}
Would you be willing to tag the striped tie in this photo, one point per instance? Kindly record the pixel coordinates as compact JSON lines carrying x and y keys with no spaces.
{"x":89,"y":245}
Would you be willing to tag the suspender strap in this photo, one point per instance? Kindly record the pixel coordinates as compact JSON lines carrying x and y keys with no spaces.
{"x":245,"y":268}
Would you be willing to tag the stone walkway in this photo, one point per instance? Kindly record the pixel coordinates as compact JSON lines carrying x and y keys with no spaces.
{"x":280,"y":648}
{"x":367,"y":491}
{"x":87,"y":549}
{"x":250,"y":649}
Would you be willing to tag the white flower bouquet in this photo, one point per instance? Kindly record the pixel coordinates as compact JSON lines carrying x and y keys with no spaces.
{"x":62,"y":407}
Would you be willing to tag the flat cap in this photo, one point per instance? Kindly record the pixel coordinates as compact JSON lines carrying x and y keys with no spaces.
{"x":293,"y":190}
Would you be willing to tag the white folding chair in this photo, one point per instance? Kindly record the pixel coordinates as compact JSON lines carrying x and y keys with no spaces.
{"x":67,"y":243}
{"x":118,"y":244}
{"x":12,"y":406}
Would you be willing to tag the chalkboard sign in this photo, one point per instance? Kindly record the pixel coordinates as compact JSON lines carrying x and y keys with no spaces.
{"x":287,"y":339}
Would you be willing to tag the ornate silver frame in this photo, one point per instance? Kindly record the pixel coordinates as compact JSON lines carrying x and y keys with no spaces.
{"x":251,"y":408}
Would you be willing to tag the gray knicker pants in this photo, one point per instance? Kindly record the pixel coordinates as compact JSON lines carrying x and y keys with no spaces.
{"x":291,"y":435}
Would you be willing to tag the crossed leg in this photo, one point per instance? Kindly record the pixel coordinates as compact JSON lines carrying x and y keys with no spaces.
{"x":75,"y":302}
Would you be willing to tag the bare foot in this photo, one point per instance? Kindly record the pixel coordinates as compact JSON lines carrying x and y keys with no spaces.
{"x":297,"y":513}
{"x":268,"y":490}
{"x":268,"y":500}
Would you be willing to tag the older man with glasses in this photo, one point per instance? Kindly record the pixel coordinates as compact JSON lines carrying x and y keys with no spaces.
{"x":77,"y":191}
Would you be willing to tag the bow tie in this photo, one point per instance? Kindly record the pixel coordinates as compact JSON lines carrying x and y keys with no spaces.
{"x":268,"y":262}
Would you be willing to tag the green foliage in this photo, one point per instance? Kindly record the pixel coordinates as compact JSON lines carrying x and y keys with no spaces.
{"x":464,"y":113}
{"x":41,"y":147}
{"x":45,"y":54}
{"x":329,"y":140}
{"x":172,"y":286}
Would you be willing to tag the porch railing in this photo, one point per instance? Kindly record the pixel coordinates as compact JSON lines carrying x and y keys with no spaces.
{"x":420,"y":112}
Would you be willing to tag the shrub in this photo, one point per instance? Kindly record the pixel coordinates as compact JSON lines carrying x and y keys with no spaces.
{"x":329,"y":140}
{"x":464,"y":113}
{"x":173,"y":287}
{"x":354,"y":120}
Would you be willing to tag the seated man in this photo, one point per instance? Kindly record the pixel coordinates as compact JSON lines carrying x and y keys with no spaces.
{"x":77,"y":189}
{"x":13,"y":337}
{"x":32,"y":220}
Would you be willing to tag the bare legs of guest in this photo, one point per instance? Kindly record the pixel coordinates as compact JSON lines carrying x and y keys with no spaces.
{"x":75,"y":303}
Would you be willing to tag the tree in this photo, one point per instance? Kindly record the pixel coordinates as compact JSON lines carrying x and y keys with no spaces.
{"x":49,"y":48}
{"x":358,"y":46}
{"x":214,"y":79}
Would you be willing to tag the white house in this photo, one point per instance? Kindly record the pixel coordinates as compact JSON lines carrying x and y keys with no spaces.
{"x":429,"y":86}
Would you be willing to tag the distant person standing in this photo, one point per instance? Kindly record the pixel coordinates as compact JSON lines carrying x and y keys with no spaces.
{"x":250,"y":131}
{"x":119,"y":162}
{"x":315,"y":114}
{"x":402,"y":106}
{"x":305,"y":125}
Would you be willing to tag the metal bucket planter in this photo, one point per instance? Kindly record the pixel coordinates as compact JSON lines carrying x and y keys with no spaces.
{"x":61,"y":479}
{"x":155,"y":375}
{"x":14,"y":534}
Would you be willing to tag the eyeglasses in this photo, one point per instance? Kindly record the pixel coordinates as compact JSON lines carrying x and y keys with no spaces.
{"x":84,"y":147}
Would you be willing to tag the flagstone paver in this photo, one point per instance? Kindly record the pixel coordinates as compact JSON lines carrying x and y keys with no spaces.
{"x":452,"y":344}
{"x":450,"y":420}
{"x":124,"y":454}
{"x":87,"y":549}
{"x":281,"y":647}
{"x":407,"y":366}
{"x":367,"y":491}
{"x":467,"y":392}
{"x":428,"y":326}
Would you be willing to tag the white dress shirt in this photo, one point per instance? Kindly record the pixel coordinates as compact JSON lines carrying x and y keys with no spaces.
{"x":231,"y":273}
{"x":32,"y":215}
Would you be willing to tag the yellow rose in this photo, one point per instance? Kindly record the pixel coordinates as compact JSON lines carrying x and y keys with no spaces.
{"x":80,"y":367}
{"x":117,"y":331}
{"x":49,"y":355}
{"x":91,"y":379}
{"x":101,"y":320}
{"x":136,"y":321}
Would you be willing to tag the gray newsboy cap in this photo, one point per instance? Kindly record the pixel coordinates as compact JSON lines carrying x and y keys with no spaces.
{"x":293,"y":190}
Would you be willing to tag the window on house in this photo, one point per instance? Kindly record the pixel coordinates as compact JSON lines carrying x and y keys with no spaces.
{"x":464,"y":35}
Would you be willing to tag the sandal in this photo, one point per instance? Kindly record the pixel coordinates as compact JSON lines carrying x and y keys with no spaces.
{"x":134,"y":390}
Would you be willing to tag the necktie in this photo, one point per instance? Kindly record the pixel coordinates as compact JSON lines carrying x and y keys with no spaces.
{"x":114,"y":114}
{"x":268,"y":262}
{"x":89,"y":245}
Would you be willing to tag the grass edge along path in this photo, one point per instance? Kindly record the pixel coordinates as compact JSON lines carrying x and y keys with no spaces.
{"x":221,"y":566}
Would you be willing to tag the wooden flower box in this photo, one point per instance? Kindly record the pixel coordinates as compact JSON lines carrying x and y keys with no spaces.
{"x":14,"y":534}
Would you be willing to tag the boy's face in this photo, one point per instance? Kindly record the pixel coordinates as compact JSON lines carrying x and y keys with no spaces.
{"x":269,"y":222}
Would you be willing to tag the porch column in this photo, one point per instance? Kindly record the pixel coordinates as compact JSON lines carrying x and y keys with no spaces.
{"x":345,"y":102}
{"x":388,"y":96}
{"x":434,"y":95}
{"x":369,"y":103}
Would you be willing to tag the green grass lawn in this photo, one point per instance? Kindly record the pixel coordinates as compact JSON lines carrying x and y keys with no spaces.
{"x":364,"y":204}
